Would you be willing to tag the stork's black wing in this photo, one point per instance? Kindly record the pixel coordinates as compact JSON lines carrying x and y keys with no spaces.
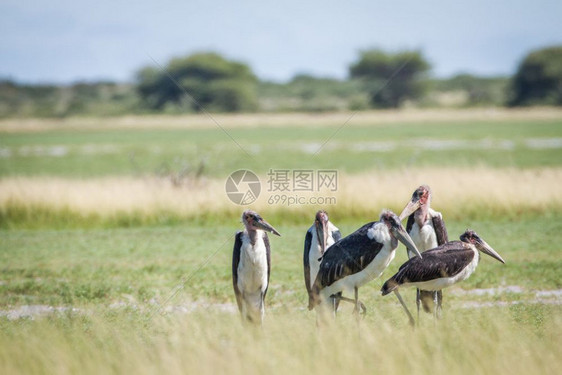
{"x":440,"y":230}
{"x":350,"y":255}
{"x":410,"y":223}
{"x":235,"y":261}
{"x":443,"y":261}
{"x":306,"y":260}
{"x":336,"y":235}
{"x":268,"y":255}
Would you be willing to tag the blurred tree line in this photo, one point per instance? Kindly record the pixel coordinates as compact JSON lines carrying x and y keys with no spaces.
{"x":97,"y":98}
{"x":211,"y":82}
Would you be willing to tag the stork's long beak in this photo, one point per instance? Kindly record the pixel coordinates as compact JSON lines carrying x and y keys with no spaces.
{"x":262,"y":224}
{"x":322,"y":233}
{"x":411,"y":207}
{"x":402,"y":236}
{"x":487,"y":249}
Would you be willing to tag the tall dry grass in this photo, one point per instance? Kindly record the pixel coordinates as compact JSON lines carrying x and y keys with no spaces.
{"x":479,"y":342}
{"x":477,"y":192}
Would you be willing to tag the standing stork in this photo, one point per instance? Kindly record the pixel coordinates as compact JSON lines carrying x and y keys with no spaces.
{"x":251,"y":266}
{"x":441,"y":267}
{"x":427,"y":228}
{"x":359,"y":258}
{"x":319,"y":237}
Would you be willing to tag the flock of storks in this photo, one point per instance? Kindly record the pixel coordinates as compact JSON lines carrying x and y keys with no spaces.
{"x":334,"y":265}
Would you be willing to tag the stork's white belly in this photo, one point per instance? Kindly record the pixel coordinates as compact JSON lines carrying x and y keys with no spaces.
{"x":252,"y":269}
{"x":315,"y":253}
{"x":424,"y":237}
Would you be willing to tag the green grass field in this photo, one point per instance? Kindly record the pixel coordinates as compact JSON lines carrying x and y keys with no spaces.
{"x":108,"y":150}
{"x":109,"y":268}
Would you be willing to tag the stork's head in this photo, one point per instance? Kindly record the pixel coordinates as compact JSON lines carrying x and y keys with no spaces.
{"x":472,"y":238}
{"x":322,"y":231}
{"x":253,"y":221}
{"x":420,"y":198}
{"x":396,"y":230}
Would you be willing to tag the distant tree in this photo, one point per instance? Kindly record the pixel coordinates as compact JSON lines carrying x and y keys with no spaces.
{"x":391,"y":78}
{"x":538,"y":79}
{"x":213,"y":82}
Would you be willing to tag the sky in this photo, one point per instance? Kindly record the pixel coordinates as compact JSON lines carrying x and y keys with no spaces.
{"x":67,"y":41}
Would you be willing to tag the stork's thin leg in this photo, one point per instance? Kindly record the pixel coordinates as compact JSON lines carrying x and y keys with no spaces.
{"x":356,"y":303}
{"x":418,"y":302}
{"x":335,"y":306}
{"x":359,"y":306}
{"x":262,"y":309}
{"x":435,"y":302}
{"x":350,"y":300}
{"x":439,"y":297}
{"x":338,"y":295}
{"x":410,"y":317}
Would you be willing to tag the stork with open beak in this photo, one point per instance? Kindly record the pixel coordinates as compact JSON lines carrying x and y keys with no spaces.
{"x":427,"y":229}
{"x":251,"y":266}
{"x":441,"y":267}
{"x":358,"y":258}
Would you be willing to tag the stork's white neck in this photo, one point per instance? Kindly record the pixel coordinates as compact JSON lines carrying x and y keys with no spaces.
{"x":421,"y":214}
{"x":254,"y":234}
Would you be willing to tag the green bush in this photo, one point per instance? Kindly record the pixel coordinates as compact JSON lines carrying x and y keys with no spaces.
{"x":203,"y":81}
{"x":391,"y":78}
{"x":538,"y":80}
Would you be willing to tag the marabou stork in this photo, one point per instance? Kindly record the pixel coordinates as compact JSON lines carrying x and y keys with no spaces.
{"x":427,"y":229}
{"x":441,"y":267}
{"x":319,"y":237}
{"x":251,"y":266}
